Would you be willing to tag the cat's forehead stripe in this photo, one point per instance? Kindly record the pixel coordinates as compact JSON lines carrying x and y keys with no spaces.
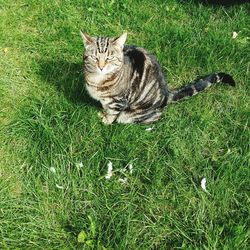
{"x":107,"y":44}
{"x":102,"y":44}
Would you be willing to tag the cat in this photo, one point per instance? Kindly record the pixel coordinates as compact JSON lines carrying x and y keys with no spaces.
{"x":129,"y":82}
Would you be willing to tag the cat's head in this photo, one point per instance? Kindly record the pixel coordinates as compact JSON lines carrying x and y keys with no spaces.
{"x":103,"y":55}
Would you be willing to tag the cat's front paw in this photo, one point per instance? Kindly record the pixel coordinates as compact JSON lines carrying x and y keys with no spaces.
{"x":107,"y":119}
{"x":100,"y":114}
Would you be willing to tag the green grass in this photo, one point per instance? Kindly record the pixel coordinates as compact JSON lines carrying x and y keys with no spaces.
{"x":47,"y":120}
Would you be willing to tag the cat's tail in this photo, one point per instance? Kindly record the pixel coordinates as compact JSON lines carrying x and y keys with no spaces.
{"x":198,"y":85}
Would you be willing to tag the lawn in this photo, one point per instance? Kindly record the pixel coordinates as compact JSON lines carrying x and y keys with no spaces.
{"x":54,"y":151}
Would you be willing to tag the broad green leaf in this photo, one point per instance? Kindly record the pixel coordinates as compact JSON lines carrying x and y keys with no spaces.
{"x":82,"y":236}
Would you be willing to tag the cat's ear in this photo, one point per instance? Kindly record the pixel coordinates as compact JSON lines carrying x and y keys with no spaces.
{"x":120,"y":41}
{"x":87,"y":40}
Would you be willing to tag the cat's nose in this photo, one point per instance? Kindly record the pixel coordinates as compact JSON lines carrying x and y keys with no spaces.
{"x":101,"y":64}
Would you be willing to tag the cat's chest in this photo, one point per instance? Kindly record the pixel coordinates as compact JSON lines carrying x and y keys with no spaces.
{"x":101,"y":91}
{"x":100,"y":86}
{"x":94,"y":92}
{"x":96,"y":79}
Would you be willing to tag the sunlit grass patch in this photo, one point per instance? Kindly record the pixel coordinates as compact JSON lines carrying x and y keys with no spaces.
{"x":54,"y":151}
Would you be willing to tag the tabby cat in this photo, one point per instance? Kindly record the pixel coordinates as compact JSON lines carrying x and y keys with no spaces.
{"x":129,"y":82}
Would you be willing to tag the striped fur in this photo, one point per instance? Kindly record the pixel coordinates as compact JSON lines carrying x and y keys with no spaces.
{"x":129,"y":82}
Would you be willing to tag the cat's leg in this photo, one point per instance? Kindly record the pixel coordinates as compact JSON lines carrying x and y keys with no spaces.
{"x":142,"y":116}
{"x":108,"y":118}
{"x":149,"y":118}
{"x":111,"y":111}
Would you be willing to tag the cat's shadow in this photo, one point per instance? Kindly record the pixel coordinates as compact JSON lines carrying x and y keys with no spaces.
{"x":68,"y":78}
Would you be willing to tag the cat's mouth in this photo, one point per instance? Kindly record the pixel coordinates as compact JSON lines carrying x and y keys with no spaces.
{"x":106,"y":71}
{"x":102,"y":71}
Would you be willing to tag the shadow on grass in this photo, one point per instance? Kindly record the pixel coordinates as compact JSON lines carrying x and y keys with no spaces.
{"x":68,"y":78}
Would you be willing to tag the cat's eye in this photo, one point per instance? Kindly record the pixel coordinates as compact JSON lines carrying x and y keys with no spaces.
{"x":110,"y":58}
{"x":93,"y":58}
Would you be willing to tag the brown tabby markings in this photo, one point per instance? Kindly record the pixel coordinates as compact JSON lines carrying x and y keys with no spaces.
{"x":129,"y":82}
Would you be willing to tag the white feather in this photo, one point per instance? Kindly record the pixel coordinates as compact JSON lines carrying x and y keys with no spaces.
{"x":203,"y":184}
{"x":109,"y":172}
